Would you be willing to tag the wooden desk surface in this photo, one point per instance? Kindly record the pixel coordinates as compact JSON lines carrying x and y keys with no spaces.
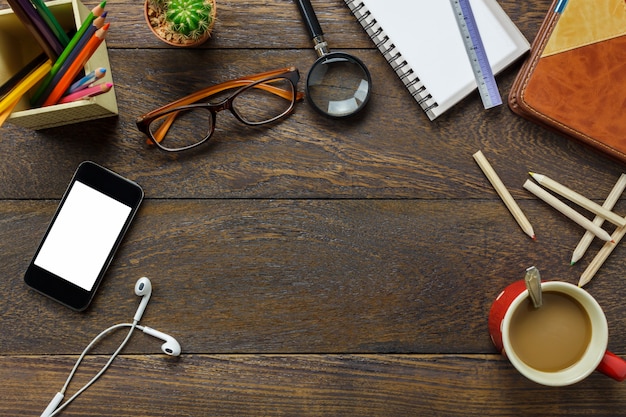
{"x":316,"y":267}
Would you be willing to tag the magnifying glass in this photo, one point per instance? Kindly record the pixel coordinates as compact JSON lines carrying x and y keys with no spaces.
{"x":338,"y":84}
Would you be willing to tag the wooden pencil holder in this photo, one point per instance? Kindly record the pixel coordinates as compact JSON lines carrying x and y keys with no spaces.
{"x":18,"y":48}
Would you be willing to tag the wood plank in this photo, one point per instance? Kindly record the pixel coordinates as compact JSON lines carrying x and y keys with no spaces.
{"x":314,"y":267}
{"x":258,"y":24}
{"x":301,"y":385}
{"x":392,"y":151}
{"x":304,"y":276}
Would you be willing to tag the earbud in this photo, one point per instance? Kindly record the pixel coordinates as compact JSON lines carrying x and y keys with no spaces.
{"x":143,"y":288}
{"x":170,"y":347}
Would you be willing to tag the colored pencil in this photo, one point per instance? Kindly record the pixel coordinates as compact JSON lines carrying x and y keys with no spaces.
{"x":86,"y":93}
{"x":51,"y":21}
{"x":587,"y":238}
{"x":26,"y":84}
{"x":4,"y":115}
{"x":579,"y":199}
{"x":504,"y":194}
{"x":58,"y":69}
{"x":76,"y":66}
{"x":72,"y":46}
{"x":86,"y":80}
{"x":15,"y":79}
{"x":40,"y":30}
{"x":567,"y":210}
{"x":601,"y":256}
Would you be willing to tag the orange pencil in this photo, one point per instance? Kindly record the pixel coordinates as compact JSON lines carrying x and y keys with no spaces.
{"x":73,"y":70}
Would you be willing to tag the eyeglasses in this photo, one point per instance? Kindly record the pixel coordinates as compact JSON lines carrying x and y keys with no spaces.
{"x":258,"y":99}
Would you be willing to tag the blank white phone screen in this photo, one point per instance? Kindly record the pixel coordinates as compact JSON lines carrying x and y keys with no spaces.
{"x":82,"y":236}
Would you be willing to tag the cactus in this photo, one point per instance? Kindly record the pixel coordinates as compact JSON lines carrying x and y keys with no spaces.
{"x":191,"y":18}
{"x":181,"y":21}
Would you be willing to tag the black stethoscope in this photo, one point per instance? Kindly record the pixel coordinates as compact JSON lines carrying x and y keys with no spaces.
{"x":338,"y":84}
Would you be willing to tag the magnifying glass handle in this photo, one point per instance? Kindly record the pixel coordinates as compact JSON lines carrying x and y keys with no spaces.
{"x":313,"y":25}
{"x":310,"y":18}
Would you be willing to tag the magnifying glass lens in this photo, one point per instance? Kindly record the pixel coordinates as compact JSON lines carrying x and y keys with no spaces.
{"x":338,"y":84}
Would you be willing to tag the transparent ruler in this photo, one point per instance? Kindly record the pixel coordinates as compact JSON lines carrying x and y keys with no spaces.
{"x":487,"y":87}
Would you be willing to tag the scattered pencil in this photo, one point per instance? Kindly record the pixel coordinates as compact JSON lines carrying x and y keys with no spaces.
{"x":611,"y":200}
{"x":504,"y":193}
{"x":601,"y":256}
{"x":579,"y":199}
{"x":567,"y":210}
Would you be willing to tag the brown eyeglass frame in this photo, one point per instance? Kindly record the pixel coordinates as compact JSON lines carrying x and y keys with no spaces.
{"x":262,"y":80}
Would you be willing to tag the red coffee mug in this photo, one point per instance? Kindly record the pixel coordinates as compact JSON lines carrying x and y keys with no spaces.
{"x":596,"y":356}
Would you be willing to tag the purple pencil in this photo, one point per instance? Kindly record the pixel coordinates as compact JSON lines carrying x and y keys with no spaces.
{"x":40,"y":30}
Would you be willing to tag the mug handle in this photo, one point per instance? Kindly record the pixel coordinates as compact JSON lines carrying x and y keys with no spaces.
{"x":613,"y":366}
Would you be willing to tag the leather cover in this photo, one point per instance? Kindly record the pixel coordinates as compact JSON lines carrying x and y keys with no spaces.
{"x":574,"y":80}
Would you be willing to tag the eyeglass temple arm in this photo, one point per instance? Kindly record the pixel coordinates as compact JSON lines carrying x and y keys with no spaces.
{"x":239,"y":82}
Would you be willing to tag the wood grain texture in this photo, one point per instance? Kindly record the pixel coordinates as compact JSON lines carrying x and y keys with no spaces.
{"x":304,"y":385}
{"x":311,"y":267}
{"x":305,"y":276}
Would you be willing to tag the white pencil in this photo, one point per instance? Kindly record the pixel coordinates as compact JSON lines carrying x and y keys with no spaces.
{"x":579,"y":199}
{"x":585,"y":241}
{"x":567,"y":210}
{"x":504,"y":194}
{"x":601,"y":256}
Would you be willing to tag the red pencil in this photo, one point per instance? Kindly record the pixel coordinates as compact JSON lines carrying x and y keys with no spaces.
{"x":88,"y":92}
{"x":73,"y":70}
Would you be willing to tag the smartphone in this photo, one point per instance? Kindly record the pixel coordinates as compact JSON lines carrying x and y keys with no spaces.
{"x":86,"y":230}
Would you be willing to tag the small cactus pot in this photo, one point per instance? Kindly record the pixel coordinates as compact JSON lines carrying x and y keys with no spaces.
{"x":185,"y":23}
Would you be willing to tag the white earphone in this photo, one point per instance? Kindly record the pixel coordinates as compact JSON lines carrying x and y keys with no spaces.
{"x":170,"y":347}
{"x":143,"y":288}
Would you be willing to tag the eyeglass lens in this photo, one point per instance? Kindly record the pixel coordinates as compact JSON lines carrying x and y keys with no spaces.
{"x":194,"y":124}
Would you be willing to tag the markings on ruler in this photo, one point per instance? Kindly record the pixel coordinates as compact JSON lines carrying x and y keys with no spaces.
{"x":487,"y":87}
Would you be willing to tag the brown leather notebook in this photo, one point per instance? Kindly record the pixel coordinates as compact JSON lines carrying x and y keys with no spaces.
{"x":574,"y":80}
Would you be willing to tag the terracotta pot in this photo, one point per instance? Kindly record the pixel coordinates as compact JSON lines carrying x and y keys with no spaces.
{"x":156,"y":24}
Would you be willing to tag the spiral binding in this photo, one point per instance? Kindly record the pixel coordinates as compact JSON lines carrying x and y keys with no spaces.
{"x":393,"y":56}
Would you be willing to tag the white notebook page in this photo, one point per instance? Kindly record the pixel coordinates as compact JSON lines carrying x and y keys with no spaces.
{"x":427,"y":35}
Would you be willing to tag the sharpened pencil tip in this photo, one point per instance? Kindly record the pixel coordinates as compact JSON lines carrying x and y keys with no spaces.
{"x":533,"y":237}
{"x":572,"y":263}
{"x":531,"y":173}
{"x":612,"y":240}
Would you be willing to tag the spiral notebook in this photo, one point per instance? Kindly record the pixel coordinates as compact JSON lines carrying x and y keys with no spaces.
{"x":422,"y":42}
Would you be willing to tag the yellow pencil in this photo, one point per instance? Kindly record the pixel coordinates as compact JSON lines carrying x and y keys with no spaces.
{"x":23,"y":86}
{"x":504,"y":194}
{"x":7,"y":113}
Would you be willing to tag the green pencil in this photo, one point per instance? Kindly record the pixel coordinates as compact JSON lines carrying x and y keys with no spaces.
{"x":95,"y":12}
{"x":51,"y":21}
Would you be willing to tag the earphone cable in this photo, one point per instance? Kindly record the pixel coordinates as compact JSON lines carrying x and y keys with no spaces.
{"x":132,"y":326}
